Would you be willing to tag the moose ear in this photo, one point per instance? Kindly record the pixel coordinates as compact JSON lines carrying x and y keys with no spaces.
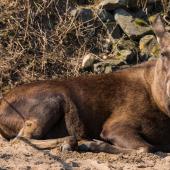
{"x":162,"y":35}
{"x":158,"y":26}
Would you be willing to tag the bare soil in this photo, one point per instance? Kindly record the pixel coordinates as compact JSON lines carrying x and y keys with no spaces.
{"x":22,"y":156}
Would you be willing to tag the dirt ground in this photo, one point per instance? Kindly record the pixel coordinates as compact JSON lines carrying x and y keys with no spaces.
{"x":22,"y":156}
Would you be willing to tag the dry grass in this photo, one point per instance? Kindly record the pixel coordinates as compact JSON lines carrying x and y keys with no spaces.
{"x":40,"y":40}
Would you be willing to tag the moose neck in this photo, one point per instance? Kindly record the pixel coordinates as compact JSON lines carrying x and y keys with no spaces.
{"x":158,"y":87}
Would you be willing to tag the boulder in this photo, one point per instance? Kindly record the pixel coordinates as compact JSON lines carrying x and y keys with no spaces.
{"x":133,"y":27}
{"x":88,"y":61}
{"x":103,"y":67}
{"x":108,"y":69}
{"x":123,"y":44}
{"x":114,"y":31}
{"x":149,"y":46}
{"x":124,"y":57}
{"x":120,"y":58}
{"x":105,"y":16}
{"x":112,"y":4}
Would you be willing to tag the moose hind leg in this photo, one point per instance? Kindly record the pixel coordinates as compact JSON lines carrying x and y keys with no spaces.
{"x":100,"y":146}
{"x":125,"y":136}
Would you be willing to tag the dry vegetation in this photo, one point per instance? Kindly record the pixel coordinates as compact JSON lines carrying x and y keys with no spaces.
{"x":40,"y":40}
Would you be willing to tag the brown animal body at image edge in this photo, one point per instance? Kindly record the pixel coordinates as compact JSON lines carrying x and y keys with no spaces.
{"x":129,"y":108}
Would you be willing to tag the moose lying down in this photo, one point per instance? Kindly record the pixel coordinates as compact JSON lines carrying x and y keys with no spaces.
{"x":128,"y":109}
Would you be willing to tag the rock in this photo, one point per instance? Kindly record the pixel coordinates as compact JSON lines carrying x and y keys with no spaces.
{"x":135,"y":3}
{"x":108,"y":69}
{"x":114,"y":31}
{"x":120,"y":58}
{"x":83,"y":14}
{"x":88,"y":61}
{"x":74,"y":164}
{"x":125,"y":50}
{"x":105,"y":66}
{"x":112,"y":4}
{"x":122,"y":44}
{"x":105,"y":16}
{"x":134,"y":28}
{"x":104,"y":57}
{"x":124,"y":56}
{"x":149,"y":46}
{"x":82,"y":2}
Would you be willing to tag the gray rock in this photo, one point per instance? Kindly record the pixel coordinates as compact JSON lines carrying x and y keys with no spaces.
{"x":120,"y":58}
{"x":88,"y":61}
{"x":114,"y":31}
{"x":123,"y":56}
{"x":108,"y":69}
{"x":125,"y":50}
{"x":112,"y":4}
{"x":123,"y":44}
{"x":149,"y":46}
{"x":136,"y":3}
{"x":105,"y":16}
{"x":133,"y":27}
{"x":101,"y":66}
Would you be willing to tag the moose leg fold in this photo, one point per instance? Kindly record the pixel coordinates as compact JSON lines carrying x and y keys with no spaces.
{"x":100,"y":146}
{"x":126,"y":137}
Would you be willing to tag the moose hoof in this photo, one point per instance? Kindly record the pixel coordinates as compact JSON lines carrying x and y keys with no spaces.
{"x":146,"y":150}
{"x":70,"y":144}
{"x":15,"y":141}
{"x":66,"y":148}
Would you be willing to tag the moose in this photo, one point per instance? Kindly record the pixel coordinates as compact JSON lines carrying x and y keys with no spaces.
{"x":125,"y":110}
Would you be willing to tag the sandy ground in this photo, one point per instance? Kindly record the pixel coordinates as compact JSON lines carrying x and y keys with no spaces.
{"x":22,"y":156}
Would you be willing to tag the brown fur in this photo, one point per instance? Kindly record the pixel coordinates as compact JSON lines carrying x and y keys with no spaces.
{"x":128,"y":108}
